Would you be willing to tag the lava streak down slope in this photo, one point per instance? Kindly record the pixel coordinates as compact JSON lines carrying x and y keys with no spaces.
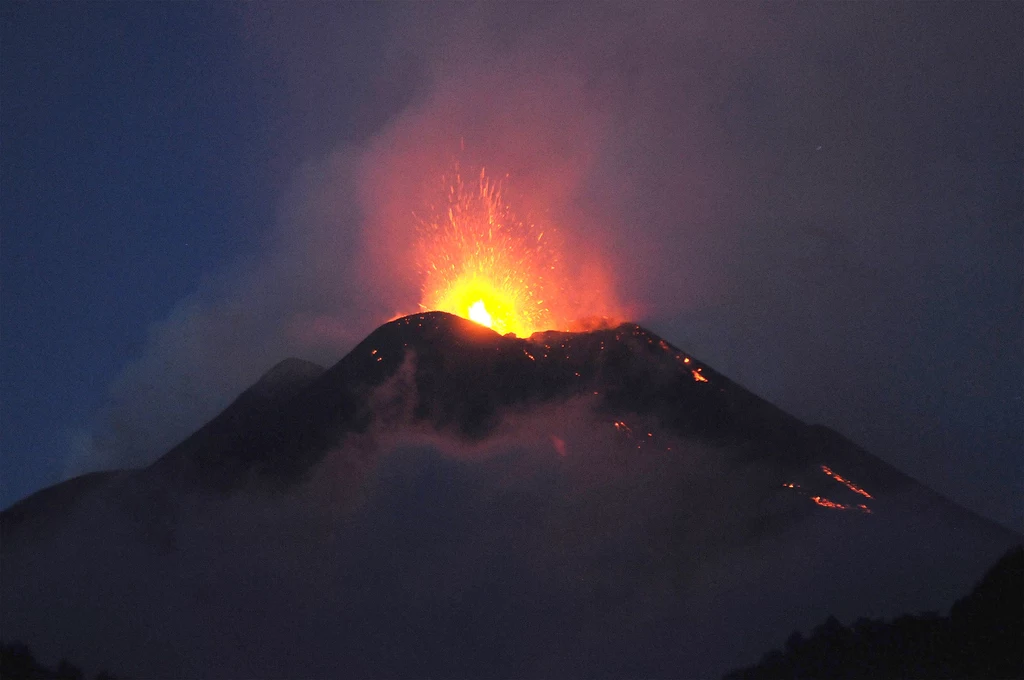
{"x":449,"y":501}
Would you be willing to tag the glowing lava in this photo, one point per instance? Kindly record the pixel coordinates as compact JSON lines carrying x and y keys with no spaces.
{"x":846,"y":482}
{"x":480,"y":261}
{"x":826,"y":503}
{"x":478,"y":312}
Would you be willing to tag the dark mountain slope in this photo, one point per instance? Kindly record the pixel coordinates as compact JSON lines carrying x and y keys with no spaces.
{"x":211,"y":452}
{"x":448,"y":502}
{"x":464,"y":378}
{"x":36,"y":513}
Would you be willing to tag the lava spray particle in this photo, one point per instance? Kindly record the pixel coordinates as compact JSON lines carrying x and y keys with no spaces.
{"x":480,"y":261}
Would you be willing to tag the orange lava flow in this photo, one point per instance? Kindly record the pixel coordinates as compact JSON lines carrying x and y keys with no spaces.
{"x":846,"y":482}
{"x":479,"y":261}
{"x":826,"y":503}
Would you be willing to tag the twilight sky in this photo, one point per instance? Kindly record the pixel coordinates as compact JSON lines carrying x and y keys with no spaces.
{"x":822,"y":201}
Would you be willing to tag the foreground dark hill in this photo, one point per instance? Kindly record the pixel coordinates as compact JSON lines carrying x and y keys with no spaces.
{"x":980,"y":638}
{"x":447,"y":501}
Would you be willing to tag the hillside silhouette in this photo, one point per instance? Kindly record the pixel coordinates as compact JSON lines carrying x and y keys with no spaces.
{"x":18,"y":663}
{"x":980,"y":638}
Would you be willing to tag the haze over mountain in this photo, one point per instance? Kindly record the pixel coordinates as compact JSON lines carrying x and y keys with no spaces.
{"x":448,"y":501}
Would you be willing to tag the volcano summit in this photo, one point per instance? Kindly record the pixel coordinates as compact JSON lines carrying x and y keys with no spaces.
{"x":449,"y":501}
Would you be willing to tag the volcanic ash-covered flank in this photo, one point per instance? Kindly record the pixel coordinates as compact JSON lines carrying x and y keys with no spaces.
{"x":449,"y":501}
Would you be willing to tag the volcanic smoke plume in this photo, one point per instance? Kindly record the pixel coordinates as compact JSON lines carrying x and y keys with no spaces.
{"x":479,"y":260}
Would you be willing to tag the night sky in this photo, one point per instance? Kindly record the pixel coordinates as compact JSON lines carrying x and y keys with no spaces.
{"x":824,"y":202}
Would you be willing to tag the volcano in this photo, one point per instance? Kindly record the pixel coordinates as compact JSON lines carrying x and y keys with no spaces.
{"x":448,"y":501}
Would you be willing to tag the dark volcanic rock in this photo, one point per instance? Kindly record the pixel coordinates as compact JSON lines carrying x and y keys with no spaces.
{"x":461,"y":378}
{"x":445,"y":501}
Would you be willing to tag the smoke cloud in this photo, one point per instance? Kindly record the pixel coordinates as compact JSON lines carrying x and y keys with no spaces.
{"x":817,"y":201}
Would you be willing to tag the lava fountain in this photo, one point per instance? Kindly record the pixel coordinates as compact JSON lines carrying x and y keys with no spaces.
{"x":480,"y":261}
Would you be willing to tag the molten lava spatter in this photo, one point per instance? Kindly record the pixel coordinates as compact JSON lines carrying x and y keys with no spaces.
{"x":478,"y":312}
{"x":845,"y":482}
{"x":827,"y":503}
{"x":481,"y":262}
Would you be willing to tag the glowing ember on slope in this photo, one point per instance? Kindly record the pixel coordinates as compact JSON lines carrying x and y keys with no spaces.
{"x":826,"y":503}
{"x":481,"y":262}
{"x":846,"y":482}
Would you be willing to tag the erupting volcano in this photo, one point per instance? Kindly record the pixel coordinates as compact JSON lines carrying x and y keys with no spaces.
{"x":482,"y":262}
{"x":550,"y":497}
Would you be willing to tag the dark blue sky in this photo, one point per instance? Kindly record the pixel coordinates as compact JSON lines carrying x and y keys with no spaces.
{"x":127,"y":132}
{"x":823,"y":202}
{"x":143,"y":147}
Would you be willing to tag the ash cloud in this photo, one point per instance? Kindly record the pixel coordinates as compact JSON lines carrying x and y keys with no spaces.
{"x":821,"y":203}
